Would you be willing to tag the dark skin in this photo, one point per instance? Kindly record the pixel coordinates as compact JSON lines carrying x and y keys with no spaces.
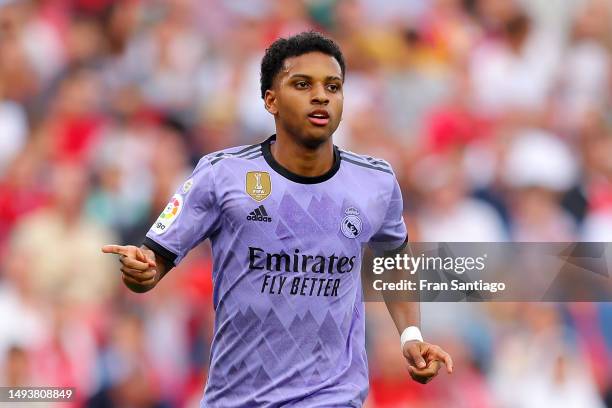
{"x":307,"y":83}
{"x":141,"y":268}
{"x":423,"y":360}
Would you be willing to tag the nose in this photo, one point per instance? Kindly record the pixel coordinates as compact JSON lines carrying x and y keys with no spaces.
{"x":319,"y":96}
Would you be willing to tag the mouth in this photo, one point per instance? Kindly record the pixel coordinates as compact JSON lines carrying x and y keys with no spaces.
{"x":319,"y":117}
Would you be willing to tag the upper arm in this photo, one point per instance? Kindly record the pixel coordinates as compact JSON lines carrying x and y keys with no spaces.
{"x":191,"y":216}
{"x":392,"y":234}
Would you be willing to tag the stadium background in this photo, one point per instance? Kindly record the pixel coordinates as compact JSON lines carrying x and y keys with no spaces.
{"x":495,"y":114}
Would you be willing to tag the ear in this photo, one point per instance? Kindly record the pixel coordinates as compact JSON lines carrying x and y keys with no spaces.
{"x":270,"y":102}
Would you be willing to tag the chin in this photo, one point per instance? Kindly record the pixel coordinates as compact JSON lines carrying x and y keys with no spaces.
{"x":313,"y":140}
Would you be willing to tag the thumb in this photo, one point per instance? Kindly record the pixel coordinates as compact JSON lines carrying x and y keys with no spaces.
{"x":414,"y":351}
{"x":140,"y":255}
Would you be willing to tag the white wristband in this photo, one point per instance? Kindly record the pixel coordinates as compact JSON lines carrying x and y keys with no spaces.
{"x":409,"y":334}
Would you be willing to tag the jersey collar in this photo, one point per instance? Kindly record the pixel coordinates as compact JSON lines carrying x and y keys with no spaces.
{"x":267,"y":154}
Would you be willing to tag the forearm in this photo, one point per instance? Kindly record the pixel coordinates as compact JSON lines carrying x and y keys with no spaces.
{"x":404,"y":308}
{"x":404,"y":314}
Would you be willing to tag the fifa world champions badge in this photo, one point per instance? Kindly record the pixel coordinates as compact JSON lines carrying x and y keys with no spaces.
{"x":258,"y":185}
{"x":351,"y":224}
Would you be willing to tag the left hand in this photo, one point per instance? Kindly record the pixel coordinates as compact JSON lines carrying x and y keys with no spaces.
{"x":425,"y":360}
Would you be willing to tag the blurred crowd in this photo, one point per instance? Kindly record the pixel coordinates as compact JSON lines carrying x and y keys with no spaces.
{"x":495,"y":114}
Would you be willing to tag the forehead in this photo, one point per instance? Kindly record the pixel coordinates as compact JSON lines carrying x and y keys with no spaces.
{"x":314,"y":64}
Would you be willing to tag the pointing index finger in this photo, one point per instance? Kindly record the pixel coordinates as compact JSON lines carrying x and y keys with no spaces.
{"x":446,"y":358}
{"x":114,"y":249}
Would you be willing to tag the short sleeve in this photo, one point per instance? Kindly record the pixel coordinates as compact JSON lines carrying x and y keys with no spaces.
{"x":392,"y":235}
{"x":190,"y":217}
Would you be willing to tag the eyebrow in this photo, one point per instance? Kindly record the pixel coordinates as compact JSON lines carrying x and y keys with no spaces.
{"x":327,"y":78}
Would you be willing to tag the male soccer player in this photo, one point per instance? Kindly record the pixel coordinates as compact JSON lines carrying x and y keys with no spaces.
{"x":287,"y":219}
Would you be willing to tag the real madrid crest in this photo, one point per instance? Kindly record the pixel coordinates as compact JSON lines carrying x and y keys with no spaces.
{"x":258,"y":185}
{"x":351,"y":224}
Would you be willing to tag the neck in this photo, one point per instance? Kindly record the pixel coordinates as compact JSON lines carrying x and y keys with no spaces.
{"x":302,"y":160}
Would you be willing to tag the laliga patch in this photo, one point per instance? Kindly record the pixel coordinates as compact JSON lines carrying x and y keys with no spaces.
{"x":187,"y":186}
{"x":258,"y":185}
{"x":170,"y":213}
{"x":351,"y":224}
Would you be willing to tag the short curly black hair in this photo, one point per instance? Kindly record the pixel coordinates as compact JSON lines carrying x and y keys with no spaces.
{"x":299,"y":44}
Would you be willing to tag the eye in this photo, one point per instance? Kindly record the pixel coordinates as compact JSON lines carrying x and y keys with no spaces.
{"x":301,"y":85}
{"x":333,"y":87}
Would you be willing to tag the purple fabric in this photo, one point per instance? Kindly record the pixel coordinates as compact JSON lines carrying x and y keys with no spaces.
{"x":289,"y":323}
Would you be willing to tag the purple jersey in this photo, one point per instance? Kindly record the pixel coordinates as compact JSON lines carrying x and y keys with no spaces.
{"x":289,"y":317}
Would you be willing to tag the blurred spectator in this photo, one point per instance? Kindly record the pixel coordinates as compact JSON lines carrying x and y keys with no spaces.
{"x":451,"y":214}
{"x":20,"y":192}
{"x":539,"y":167}
{"x":514,"y":69}
{"x":62,"y":245}
{"x":14,"y":128}
{"x":23,"y":324}
{"x":597,"y":148}
{"x":167,"y":55}
{"x":585,"y":78}
{"x":16,"y":371}
{"x":495,"y":115}
{"x":536,"y":368}
{"x":128,"y":379}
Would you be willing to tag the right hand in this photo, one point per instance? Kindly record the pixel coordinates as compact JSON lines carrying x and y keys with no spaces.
{"x":138,"y":268}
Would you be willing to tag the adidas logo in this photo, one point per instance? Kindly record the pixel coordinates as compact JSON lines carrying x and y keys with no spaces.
{"x":259,"y":214}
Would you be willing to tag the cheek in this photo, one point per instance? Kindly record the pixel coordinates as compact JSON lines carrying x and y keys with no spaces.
{"x":290,"y":105}
{"x":338,"y":106}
